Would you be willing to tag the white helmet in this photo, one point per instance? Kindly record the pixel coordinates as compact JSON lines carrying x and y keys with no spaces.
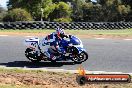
{"x":60,"y":31}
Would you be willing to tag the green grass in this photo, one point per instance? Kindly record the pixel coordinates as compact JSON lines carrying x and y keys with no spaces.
{"x":19,"y":70}
{"x":76,"y":32}
{"x":28,"y":31}
{"x":102,"y":32}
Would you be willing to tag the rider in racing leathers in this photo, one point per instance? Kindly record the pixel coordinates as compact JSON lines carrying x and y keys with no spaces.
{"x":53,"y":41}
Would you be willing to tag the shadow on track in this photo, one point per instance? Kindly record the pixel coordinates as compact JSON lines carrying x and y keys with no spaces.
{"x":35,"y":65}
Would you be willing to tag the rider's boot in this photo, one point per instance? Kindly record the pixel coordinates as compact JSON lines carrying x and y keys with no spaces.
{"x":52,"y":57}
{"x":47,"y":54}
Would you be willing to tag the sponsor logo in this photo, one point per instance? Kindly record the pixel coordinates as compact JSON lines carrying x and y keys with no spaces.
{"x":83,"y":78}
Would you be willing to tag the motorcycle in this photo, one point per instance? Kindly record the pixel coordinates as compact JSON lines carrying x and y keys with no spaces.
{"x":72,"y":45}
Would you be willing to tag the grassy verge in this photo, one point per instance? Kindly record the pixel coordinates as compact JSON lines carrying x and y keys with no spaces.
{"x":102,"y":32}
{"x":19,"y":78}
{"x":76,"y":32}
{"x":23,"y":71}
{"x":16,"y":70}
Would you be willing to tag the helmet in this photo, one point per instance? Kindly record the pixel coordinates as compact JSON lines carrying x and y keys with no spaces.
{"x":60,"y":32}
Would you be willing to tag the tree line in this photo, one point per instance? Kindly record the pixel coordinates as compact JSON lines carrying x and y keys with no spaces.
{"x":67,"y":10}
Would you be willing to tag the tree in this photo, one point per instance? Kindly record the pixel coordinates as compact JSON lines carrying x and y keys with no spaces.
{"x":127,"y":2}
{"x":102,"y":2}
{"x":87,"y":9}
{"x":48,"y":7}
{"x":78,"y":10}
{"x":123,"y":11}
{"x":77,"y":14}
{"x":107,"y":10}
{"x":110,"y":10}
{"x":35,"y":7}
{"x":17,"y":14}
{"x":2,"y":12}
{"x":62,"y":12}
{"x":56,"y":1}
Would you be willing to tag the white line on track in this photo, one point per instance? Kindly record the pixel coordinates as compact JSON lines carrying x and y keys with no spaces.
{"x":100,"y":38}
{"x":3,"y":35}
{"x":107,"y":38}
{"x":29,"y":36}
{"x":127,"y":39}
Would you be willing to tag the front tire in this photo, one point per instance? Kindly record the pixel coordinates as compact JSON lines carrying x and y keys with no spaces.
{"x":83,"y":56}
{"x":78,"y":59}
{"x":32,"y":56}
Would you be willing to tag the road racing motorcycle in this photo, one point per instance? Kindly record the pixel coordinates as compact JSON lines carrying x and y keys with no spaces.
{"x":72,"y":45}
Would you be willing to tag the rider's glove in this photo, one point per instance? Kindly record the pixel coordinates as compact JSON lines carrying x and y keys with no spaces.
{"x":61,"y":51}
{"x":66,"y":36}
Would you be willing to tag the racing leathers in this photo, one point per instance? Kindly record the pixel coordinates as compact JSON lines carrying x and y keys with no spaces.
{"x":53,"y":40}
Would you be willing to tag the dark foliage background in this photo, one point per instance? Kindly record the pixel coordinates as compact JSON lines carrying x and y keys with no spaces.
{"x":71,"y":10}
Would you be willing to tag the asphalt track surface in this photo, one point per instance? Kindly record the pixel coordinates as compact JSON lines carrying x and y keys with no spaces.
{"x":111,"y":55}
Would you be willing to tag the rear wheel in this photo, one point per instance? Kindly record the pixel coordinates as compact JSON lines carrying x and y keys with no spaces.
{"x":32,"y":55}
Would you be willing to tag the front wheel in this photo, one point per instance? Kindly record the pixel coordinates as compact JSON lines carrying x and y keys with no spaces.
{"x":83,"y":56}
{"x":32,"y":55}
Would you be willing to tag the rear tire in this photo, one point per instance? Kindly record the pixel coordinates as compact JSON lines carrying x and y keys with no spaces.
{"x":32,"y":56}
